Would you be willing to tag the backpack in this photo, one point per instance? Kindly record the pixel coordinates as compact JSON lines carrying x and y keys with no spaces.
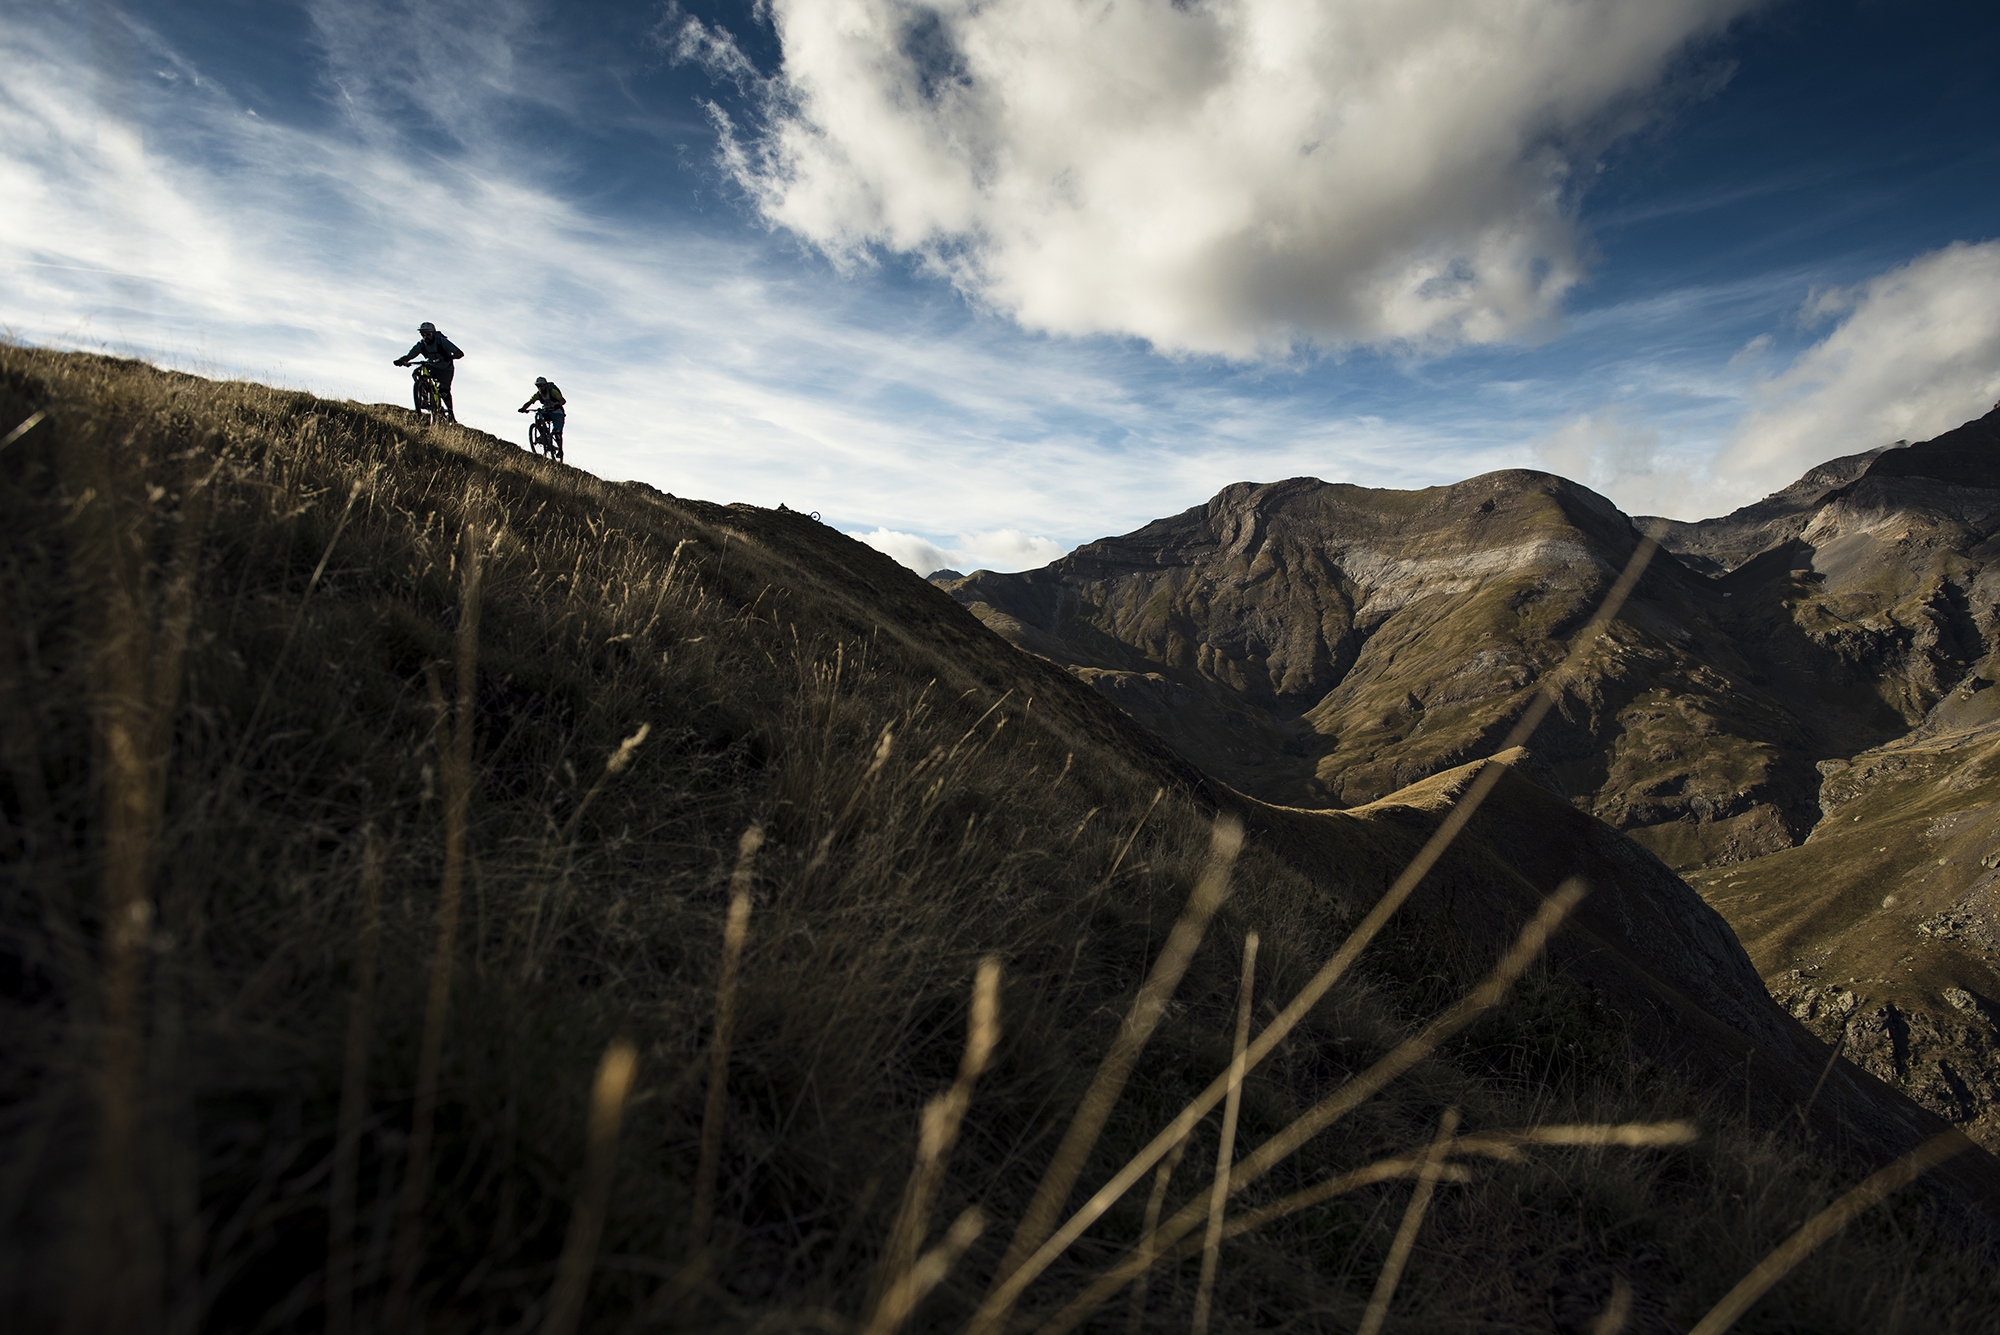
{"x":552,"y":396}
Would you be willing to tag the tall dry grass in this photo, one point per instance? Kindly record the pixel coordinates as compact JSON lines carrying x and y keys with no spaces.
{"x":367,"y":792}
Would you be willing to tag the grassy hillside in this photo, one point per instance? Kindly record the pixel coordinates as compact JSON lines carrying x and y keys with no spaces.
{"x":447,"y":891}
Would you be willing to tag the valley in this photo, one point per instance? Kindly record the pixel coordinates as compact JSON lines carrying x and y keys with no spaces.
{"x":1793,"y":710}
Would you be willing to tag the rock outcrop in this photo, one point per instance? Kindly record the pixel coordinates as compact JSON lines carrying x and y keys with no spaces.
{"x":1794,"y":708}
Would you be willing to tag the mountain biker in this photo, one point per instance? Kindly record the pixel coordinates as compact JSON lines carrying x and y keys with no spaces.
{"x":438,"y":353}
{"x":552,"y":402}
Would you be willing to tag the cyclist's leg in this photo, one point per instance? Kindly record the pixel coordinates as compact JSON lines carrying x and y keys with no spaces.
{"x":444,"y":374}
{"x":556,"y":416}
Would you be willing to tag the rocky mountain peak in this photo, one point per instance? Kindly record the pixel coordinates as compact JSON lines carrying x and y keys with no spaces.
{"x":1322,"y":645}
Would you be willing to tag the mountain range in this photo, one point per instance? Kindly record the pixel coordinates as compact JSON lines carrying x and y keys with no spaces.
{"x":1792,"y":710}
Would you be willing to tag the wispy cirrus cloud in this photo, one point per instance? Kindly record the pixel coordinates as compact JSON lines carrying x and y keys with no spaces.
{"x":153,"y":210}
{"x":171,"y":221}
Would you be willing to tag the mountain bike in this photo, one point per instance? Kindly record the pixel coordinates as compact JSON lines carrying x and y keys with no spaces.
{"x":542,"y":437}
{"x":429,"y":394}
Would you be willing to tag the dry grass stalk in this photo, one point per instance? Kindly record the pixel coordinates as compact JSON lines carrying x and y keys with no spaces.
{"x":1526,"y":948}
{"x":1016,"y":1272}
{"x":1504,"y":1144}
{"x":883,"y":746}
{"x":135,"y":673}
{"x":1406,"y":1235}
{"x":614,"y":765}
{"x":1804,"y":1111}
{"x":455,"y":777}
{"x":1112,"y":1072}
{"x":586,"y":1223}
{"x":1149,"y":1233}
{"x":1494,"y":1144}
{"x":735,"y":931}
{"x":1130,"y":839}
{"x":1825,"y":1224}
{"x":354,"y":1093}
{"x":27,"y":424}
{"x":1137,"y":1263}
{"x":1232,"y":1105}
{"x":1616,"y":1312}
{"x":1345,"y":1099}
{"x":561,"y":848}
{"x":915,"y":1283}
{"x":943,"y":1117}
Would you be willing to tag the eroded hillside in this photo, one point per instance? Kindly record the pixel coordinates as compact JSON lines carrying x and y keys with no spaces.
{"x":1810,"y":654}
{"x":1317,"y":644}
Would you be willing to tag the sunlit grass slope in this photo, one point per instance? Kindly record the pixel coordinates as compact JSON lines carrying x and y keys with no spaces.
{"x":447,"y":891}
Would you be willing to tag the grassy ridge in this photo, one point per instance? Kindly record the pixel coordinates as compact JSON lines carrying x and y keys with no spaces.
{"x":296,"y":696}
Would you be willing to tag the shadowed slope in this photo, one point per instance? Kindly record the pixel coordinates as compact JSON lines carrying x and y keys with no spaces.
{"x":1322,"y":644}
{"x":427,"y":669}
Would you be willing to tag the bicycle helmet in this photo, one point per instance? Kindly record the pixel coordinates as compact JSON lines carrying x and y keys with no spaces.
{"x":427,"y":328}
{"x":541,"y":380}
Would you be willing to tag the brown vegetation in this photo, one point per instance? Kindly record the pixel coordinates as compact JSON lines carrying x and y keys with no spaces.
{"x":382,"y":946}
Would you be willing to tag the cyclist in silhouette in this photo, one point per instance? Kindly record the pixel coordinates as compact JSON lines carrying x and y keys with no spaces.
{"x":552,"y":401}
{"x":437,"y":352}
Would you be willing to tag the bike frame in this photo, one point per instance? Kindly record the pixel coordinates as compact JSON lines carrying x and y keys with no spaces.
{"x":542,"y":434}
{"x":430,"y":391}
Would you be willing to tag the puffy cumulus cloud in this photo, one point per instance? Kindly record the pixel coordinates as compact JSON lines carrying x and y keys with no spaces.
{"x":919,"y":554}
{"x":1229,"y":176}
{"x":1010,"y":549}
{"x":1916,"y":352}
{"x":996,"y":549}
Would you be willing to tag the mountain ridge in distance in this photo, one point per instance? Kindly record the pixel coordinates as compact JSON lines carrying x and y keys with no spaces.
{"x":1322,"y":645}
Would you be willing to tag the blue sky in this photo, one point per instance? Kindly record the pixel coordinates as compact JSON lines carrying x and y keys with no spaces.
{"x":979,"y":282}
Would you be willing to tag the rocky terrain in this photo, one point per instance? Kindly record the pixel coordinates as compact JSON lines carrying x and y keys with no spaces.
{"x":1793,"y":709}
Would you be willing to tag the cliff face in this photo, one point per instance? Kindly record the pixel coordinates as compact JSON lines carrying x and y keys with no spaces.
{"x":1323,"y":645}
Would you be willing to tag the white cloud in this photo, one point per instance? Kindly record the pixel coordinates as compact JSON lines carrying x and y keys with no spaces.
{"x":1623,"y":459}
{"x":1755,"y":350}
{"x":175,"y":226}
{"x":438,"y":65}
{"x":996,"y":549}
{"x":1912,"y":353}
{"x":1917,"y":353}
{"x":919,"y":554}
{"x":1233,"y":177}
{"x":171,"y":225}
{"x":1011,"y":549}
